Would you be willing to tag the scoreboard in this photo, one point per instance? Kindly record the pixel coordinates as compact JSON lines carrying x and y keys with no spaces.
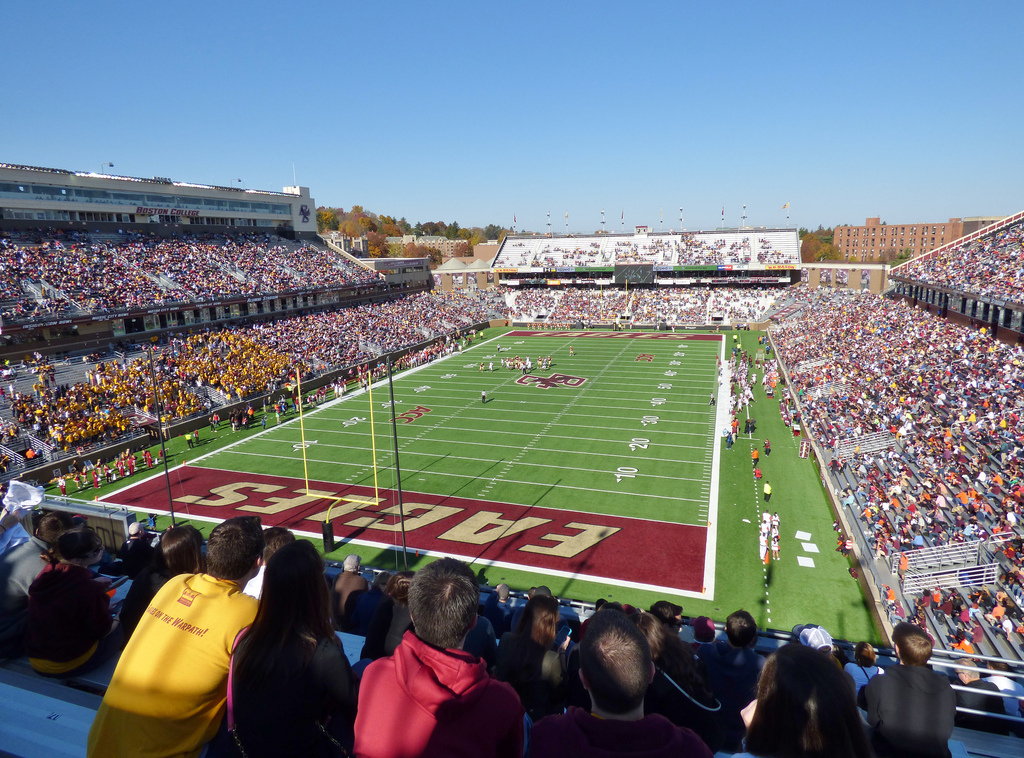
{"x":634,"y":273}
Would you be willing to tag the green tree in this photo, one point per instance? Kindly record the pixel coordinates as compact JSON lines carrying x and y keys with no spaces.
{"x":492,"y":231}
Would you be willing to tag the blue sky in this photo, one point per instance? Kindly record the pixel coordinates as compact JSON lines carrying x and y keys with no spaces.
{"x":477,"y":111}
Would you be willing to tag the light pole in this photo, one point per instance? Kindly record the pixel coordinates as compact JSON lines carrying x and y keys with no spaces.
{"x":105,"y":165}
{"x":160,"y":432}
{"x":602,"y":222}
{"x":744,"y":214}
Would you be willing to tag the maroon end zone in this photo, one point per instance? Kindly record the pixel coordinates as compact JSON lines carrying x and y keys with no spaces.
{"x":621,"y":335}
{"x":589,"y":546}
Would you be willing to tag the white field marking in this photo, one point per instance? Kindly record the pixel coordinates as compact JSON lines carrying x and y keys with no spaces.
{"x":506,"y":432}
{"x":493,"y":429}
{"x":478,"y":477}
{"x":802,"y":536}
{"x":514,"y":463}
{"x":810,"y":547}
{"x":721,"y":417}
{"x":532,"y":449}
{"x":804,"y":561}
{"x":745,"y":521}
{"x":474,"y":561}
{"x":544,"y":405}
{"x":540,"y":398}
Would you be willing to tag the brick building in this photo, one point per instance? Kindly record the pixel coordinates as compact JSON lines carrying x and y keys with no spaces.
{"x":876,"y":240}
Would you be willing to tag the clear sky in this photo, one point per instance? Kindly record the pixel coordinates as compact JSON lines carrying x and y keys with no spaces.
{"x":478,"y":111}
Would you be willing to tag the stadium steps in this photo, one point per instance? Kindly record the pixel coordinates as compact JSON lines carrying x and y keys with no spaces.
{"x":43,"y":718}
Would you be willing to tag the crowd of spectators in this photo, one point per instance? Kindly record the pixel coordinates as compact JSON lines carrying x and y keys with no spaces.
{"x":676,"y":249}
{"x":55,"y":273}
{"x":990,"y":266}
{"x":445,"y":670}
{"x":674,"y":305}
{"x":238,"y":362}
{"x":950,"y":395}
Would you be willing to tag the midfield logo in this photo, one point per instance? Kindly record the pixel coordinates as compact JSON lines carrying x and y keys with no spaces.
{"x":554,"y":380}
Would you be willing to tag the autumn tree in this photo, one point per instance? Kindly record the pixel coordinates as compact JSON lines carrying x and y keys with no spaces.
{"x":378,"y":244}
{"x":326,"y":219}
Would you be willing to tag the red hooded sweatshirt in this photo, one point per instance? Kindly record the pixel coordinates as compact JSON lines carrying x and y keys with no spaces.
{"x":433,"y":703}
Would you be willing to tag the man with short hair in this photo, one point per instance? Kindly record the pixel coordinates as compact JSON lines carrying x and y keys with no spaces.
{"x":19,"y":566}
{"x":274,"y":538}
{"x":498,"y":610}
{"x":168,"y":693}
{"x":349,"y":585}
{"x":431,"y":699}
{"x":616,"y":669}
{"x":733,"y":669}
{"x":912,"y":708}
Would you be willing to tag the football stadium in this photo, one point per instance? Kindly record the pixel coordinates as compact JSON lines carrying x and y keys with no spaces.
{"x":282,"y":478}
{"x":680,"y":421}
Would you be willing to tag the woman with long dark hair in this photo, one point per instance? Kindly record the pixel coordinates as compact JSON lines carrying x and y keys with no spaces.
{"x":678,"y":691}
{"x":804,"y":709}
{"x":180,"y":552}
{"x":288,"y":669}
{"x":70,"y":630}
{"x":528,"y":661}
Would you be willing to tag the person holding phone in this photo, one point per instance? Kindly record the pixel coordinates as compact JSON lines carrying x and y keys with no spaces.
{"x":532,"y":658}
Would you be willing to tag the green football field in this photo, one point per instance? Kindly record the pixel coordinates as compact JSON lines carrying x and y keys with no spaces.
{"x":604,"y":475}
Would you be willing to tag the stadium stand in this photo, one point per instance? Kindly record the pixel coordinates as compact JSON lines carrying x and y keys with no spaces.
{"x":988,"y":263}
{"x":48,"y":272}
{"x":672,"y":305}
{"x":954,"y":475}
{"x":755,"y":249}
{"x":113,"y":401}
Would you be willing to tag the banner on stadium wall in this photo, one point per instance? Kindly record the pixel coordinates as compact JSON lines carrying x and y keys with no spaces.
{"x":664,"y":267}
{"x":510,"y":283}
{"x":143,"y":211}
{"x":699,"y":268}
{"x":724,"y":268}
{"x":566,"y":269}
{"x":554,"y":282}
{"x":780,"y":266}
{"x":506,"y":271}
{"x":609,"y":269}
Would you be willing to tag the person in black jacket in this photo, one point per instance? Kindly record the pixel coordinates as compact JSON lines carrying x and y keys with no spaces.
{"x":679,"y":691}
{"x":911,"y":708}
{"x":180,"y":552}
{"x":733,"y":669}
{"x":289,"y":667}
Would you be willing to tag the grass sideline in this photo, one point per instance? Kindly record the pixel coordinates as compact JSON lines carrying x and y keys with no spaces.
{"x":779,"y":596}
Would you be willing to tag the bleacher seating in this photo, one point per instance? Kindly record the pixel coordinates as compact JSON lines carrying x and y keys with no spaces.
{"x":954,"y":473}
{"x":989,"y":265}
{"x":74,"y":273}
{"x":753,"y":248}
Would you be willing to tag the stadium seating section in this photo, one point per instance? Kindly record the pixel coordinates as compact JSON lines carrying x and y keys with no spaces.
{"x":753,"y":249}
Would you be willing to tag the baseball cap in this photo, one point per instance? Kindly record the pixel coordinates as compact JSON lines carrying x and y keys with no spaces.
{"x":816,"y":637}
{"x":134,"y":528}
